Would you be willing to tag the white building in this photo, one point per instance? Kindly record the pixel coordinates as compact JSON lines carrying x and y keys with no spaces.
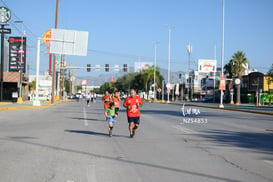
{"x":45,"y":84}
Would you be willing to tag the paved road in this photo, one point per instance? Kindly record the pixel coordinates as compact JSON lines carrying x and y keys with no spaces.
{"x":69,"y":143}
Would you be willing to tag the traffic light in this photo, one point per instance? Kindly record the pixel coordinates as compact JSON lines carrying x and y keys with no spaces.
{"x":207,"y":77}
{"x":125,"y":68}
{"x":106,"y":67}
{"x":88,"y":67}
{"x":180,"y":75}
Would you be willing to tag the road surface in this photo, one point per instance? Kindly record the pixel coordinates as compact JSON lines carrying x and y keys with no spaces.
{"x":69,"y":143}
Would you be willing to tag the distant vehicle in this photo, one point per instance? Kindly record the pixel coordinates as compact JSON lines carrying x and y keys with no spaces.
{"x":207,"y":99}
{"x":123,"y":96}
{"x":48,"y":97}
{"x":78,"y":95}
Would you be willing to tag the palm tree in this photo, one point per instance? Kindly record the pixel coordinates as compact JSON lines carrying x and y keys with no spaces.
{"x":147,"y":76}
{"x":239,"y":65}
{"x":228,"y":70}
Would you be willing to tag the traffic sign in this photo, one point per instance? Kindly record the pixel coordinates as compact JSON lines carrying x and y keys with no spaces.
{"x":116,"y":67}
{"x":168,"y":85}
{"x":97,"y":67}
{"x":237,"y":81}
{"x":5,"y":30}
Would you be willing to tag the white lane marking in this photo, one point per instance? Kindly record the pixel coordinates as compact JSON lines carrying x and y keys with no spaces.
{"x":268,"y":162}
{"x":184,"y":130}
{"x":69,"y":181}
{"x":91,"y":173}
{"x":84,"y":116}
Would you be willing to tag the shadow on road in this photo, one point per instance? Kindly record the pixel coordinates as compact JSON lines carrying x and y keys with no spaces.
{"x":89,"y":119}
{"x":93,"y":133}
{"x":256,"y":141}
{"x":119,"y":159}
{"x":161,"y":112}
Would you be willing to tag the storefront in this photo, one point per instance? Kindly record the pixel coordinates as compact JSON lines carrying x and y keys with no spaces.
{"x":12,"y":85}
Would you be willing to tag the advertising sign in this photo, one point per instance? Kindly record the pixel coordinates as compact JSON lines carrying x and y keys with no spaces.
{"x":206,"y":66}
{"x":222,"y":85}
{"x":5,"y":14}
{"x":84,"y":82}
{"x":69,"y":42}
{"x":17,"y":54}
{"x":47,"y":37}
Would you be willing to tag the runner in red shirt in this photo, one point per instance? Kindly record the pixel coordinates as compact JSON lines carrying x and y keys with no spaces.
{"x":106,"y":100}
{"x":133,"y":104}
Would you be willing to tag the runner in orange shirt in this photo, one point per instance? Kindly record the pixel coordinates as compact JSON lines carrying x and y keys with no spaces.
{"x":116,"y":99}
{"x":106,"y":100}
{"x":133,"y":104}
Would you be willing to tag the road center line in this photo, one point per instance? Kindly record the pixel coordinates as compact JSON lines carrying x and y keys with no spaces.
{"x":84,"y":116}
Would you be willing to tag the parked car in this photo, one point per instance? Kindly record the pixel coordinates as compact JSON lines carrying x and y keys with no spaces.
{"x":207,"y":99}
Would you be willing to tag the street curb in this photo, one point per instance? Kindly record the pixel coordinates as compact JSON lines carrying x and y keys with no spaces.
{"x":229,"y":109}
{"x":23,"y":107}
{"x":28,"y":107}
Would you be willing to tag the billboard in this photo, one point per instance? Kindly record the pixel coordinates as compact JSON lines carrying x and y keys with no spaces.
{"x":17,"y":54}
{"x":207,"y":66}
{"x":84,"y":82}
{"x":142,"y":65}
{"x":69,"y":42}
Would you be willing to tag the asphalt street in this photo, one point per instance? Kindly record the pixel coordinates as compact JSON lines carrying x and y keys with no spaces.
{"x":69,"y":142}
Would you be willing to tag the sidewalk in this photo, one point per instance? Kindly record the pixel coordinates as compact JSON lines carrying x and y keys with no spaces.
{"x":268,"y":110}
{"x":5,"y":106}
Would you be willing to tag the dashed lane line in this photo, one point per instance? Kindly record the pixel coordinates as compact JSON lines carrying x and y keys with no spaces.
{"x":84,"y":116}
{"x":183,"y":129}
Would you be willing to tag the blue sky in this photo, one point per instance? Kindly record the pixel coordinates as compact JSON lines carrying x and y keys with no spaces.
{"x":123,"y":31}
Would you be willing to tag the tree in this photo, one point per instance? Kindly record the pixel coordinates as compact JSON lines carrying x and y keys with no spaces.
{"x":78,"y":88}
{"x":270,"y":77}
{"x":139,"y":81}
{"x":147,"y":76}
{"x":32,"y":85}
{"x":239,"y":65}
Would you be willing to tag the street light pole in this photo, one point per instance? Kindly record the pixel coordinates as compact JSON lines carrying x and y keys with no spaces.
{"x":36,"y":101}
{"x":169,"y":60}
{"x":189,"y":50}
{"x":222,"y":56}
{"x":155,"y":43}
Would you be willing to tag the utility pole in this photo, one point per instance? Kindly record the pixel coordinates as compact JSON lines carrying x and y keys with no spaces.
{"x":54,"y":57}
{"x":70,"y":82}
{"x":222,"y":56}
{"x":62,"y":74}
{"x":169,"y":61}
{"x":2,"y":64}
{"x":155,"y":43}
{"x":5,"y":17}
{"x":163,"y":92}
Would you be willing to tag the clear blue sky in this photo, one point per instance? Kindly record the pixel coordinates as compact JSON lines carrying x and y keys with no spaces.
{"x":122,"y":31}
